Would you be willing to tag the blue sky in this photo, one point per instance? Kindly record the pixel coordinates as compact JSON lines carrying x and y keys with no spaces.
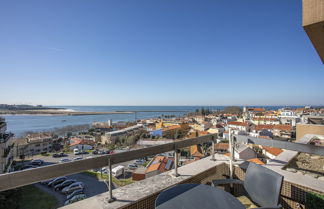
{"x":157,"y":52}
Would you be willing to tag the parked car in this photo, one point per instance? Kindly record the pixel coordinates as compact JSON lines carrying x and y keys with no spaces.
{"x":102,"y":170}
{"x":37,"y":162}
{"x":117,"y":171}
{"x":72,"y":187}
{"x":139,"y":162}
{"x":55,"y":155}
{"x":132,"y":166}
{"x":76,"y":192}
{"x":76,"y":151}
{"x":65,"y":160}
{"x":64,"y":184}
{"x":75,"y":199}
{"x":46,"y":181}
{"x":26,"y":167}
{"x":104,"y":152}
{"x":95,"y":152}
{"x":77,"y":158}
{"x":56,"y":181}
{"x":61,"y":154}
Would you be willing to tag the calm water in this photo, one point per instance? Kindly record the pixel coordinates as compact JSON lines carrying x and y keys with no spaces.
{"x":19,"y":124}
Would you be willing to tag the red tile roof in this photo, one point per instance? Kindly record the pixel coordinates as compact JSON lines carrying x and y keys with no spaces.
{"x":158,"y":163}
{"x":195,"y":151}
{"x":237,"y":123}
{"x":265,"y":137}
{"x":256,"y":161}
{"x":261,"y":127}
{"x":265,"y":119}
{"x":273,"y":150}
{"x":221,"y":146}
{"x":256,"y":109}
{"x":82,"y":141}
{"x":203,"y":133}
{"x":283,"y":127}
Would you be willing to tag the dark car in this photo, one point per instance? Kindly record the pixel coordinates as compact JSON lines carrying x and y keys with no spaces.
{"x":46,"y":181}
{"x":55,"y":155}
{"x":37,"y":162}
{"x":64,"y":184}
{"x":28,"y":167}
{"x":56,"y":181}
{"x":95,"y":152}
{"x":76,"y":192}
{"x":62,"y":154}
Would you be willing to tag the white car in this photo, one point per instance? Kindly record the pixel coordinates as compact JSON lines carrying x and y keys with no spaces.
{"x":72,"y":187}
{"x":103,"y":170}
{"x":75,"y":199}
{"x":132,"y":166}
{"x":76,"y":151}
{"x":65,"y":160}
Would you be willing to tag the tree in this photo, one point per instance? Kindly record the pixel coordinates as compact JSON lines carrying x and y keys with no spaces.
{"x":22,"y":157}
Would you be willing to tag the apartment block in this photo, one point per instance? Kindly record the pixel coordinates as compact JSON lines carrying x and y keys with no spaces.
{"x":6,"y":147}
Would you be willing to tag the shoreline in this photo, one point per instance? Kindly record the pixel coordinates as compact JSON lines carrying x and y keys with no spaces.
{"x":58,"y":113}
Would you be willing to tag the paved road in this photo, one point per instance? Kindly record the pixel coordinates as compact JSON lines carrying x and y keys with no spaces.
{"x":92,"y":187}
{"x":50,"y":160}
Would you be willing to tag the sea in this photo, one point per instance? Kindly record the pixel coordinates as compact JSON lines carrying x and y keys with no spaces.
{"x":20,"y":124}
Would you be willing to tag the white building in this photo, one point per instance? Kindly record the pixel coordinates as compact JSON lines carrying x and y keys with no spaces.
{"x":242,"y":151}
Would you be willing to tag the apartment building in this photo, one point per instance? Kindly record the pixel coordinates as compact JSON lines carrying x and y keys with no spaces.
{"x":6,"y":147}
{"x":34,"y":144}
{"x":111,"y":137}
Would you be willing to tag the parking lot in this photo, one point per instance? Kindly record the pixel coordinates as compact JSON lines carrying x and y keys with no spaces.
{"x":92,"y":187}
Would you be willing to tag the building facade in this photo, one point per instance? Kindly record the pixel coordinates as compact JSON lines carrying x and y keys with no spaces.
{"x":6,"y":147}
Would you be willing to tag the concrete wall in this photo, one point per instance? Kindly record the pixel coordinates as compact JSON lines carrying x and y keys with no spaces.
{"x":313,"y":22}
{"x":303,"y":129}
{"x":313,"y":11}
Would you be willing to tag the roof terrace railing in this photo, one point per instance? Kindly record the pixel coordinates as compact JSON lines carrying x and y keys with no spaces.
{"x":26,"y":177}
{"x":294,"y":146}
{"x":22,"y":178}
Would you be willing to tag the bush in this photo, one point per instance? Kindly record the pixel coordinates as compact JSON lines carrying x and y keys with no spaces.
{"x":314,"y":200}
{"x":10,"y":199}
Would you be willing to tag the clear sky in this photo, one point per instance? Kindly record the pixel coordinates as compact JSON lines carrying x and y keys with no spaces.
{"x":157,"y":52}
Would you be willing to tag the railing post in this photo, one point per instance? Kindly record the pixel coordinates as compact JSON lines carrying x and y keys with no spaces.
{"x":111,"y":198}
{"x":176,"y":162}
{"x":213,"y":149}
{"x":231,"y":156}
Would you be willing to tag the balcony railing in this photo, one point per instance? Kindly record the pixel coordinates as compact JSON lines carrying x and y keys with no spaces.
{"x":26,"y":177}
{"x":21,"y":178}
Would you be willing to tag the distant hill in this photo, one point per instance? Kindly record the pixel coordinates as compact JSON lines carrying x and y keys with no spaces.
{"x":24,"y":107}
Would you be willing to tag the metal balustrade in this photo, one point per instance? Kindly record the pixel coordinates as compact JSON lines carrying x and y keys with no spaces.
{"x":22,"y":178}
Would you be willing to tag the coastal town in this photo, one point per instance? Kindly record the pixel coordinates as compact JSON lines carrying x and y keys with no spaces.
{"x":162,"y":104}
{"x":304,"y":125}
